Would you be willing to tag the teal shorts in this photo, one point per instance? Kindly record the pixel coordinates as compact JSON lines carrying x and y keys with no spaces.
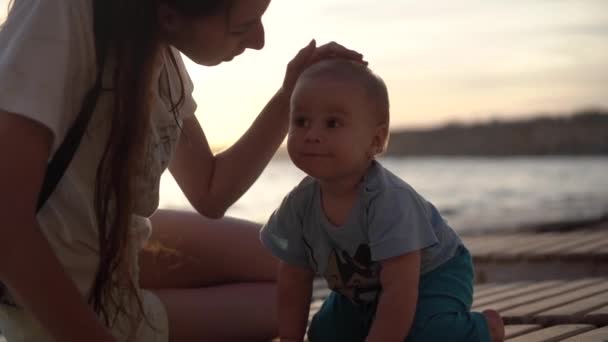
{"x":442,"y":311}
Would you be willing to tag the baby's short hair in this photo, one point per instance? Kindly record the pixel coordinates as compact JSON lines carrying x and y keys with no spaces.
{"x":346,"y":69}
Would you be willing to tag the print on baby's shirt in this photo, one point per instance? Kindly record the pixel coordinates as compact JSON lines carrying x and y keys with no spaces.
{"x":356,"y":277}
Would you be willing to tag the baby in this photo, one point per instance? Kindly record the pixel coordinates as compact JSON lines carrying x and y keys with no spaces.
{"x":395,"y":268}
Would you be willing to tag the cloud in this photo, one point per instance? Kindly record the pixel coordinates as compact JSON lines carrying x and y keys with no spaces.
{"x":597,"y":29}
{"x":576,"y":77}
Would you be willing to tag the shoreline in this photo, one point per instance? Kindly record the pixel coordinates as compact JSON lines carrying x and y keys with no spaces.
{"x":599,"y":222}
{"x":566,"y":226}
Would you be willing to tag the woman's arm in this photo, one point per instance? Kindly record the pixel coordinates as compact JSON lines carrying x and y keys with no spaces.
{"x":294,"y":291}
{"x":28,"y":266}
{"x":214,"y":182}
{"x":399,"y":277}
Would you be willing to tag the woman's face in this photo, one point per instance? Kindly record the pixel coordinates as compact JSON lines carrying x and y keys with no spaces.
{"x":211,"y":40}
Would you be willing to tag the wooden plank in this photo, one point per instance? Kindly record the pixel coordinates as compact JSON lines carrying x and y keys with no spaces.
{"x":589,"y":247}
{"x":540,"y":295}
{"x":525,"y":288}
{"x":480,"y":287}
{"x":595,"y":335}
{"x":319,"y":283}
{"x":473,"y":243}
{"x":551,"y":240}
{"x":321,"y":294}
{"x":519,"y":329}
{"x":528,"y":310}
{"x":599,"y":315}
{"x":495,"y":288}
{"x":522,"y":241}
{"x":316,"y":305}
{"x":552,"y":334}
{"x":538,"y":241}
{"x":601,"y":251}
{"x":575,"y":311}
{"x":491,"y":243}
{"x":574,"y":240}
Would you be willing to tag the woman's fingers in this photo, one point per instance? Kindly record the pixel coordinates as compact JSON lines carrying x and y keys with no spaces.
{"x":298,"y":64}
{"x":302,"y":58}
{"x":335,"y":50}
{"x":304,"y":55}
{"x":311,"y":54}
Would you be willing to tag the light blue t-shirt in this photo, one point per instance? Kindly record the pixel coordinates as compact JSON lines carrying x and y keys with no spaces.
{"x":388,"y":219}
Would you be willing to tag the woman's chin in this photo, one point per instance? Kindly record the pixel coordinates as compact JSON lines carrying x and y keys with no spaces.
{"x":210,"y":62}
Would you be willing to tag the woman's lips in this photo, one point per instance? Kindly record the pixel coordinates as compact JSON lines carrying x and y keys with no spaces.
{"x":237,"y":53}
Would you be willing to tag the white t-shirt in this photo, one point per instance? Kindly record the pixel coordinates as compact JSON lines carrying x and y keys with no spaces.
{"x":47,"y":65}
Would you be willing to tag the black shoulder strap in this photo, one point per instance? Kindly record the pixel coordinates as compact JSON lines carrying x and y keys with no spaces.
{"x":66,"y":151}
{"x":64,"y":154}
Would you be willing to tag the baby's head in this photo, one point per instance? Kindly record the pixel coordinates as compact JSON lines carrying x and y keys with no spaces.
{"x":357,"y":75}
{"x":339,"y":118}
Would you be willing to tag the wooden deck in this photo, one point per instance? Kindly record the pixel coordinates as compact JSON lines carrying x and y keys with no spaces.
{"x":517,"y":256}
{"x":538,"y":311}
{"x":550,"y":286}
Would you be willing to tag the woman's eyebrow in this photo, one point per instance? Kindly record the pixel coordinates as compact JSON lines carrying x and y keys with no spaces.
{"x":250,"y":22}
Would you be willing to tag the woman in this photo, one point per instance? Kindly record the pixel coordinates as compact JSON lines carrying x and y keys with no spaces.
{"x":198,"y":278}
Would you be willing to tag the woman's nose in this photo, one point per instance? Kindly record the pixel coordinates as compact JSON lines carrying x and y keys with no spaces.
{"x":257,"y":38}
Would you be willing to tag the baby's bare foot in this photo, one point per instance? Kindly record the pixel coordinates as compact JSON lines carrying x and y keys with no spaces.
{"x":495,"y":324}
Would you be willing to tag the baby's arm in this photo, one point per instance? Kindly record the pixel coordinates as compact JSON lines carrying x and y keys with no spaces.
{"x":295,"y":291}
{"x":399,"y":277}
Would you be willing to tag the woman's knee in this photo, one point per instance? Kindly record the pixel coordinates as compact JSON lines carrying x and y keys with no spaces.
{"x":187,"y":250}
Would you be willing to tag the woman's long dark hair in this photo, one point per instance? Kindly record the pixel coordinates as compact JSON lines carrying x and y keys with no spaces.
{"x":128,"y":32}
{"x":131,"y":37}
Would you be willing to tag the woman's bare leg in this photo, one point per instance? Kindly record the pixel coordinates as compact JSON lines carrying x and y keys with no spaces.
{"x":214,"y":276}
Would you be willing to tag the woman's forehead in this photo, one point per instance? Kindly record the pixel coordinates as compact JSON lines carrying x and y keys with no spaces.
{"x":243,"y":11}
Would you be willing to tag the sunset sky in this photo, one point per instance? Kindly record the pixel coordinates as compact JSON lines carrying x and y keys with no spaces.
{"x":443,"y":60}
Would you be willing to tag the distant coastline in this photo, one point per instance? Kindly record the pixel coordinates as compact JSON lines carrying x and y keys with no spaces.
{"x":582,"y":133}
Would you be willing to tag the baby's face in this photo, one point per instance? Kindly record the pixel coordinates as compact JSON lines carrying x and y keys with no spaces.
{"x":332,"y":131}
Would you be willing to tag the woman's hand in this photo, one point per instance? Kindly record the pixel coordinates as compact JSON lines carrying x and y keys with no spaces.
{"x":312,"y":54}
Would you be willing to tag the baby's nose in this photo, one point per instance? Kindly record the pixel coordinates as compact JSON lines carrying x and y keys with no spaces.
{"x":313,"y":135}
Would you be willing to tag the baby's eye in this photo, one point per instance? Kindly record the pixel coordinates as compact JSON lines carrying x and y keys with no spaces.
{"x":300,"y":122}
{"x":333,"y":123}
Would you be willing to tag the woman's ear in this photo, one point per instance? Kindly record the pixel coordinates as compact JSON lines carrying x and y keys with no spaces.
{"x":168,"y":18}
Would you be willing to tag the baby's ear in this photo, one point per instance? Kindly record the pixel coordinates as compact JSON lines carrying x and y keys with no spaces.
{"x":381,"y":136}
